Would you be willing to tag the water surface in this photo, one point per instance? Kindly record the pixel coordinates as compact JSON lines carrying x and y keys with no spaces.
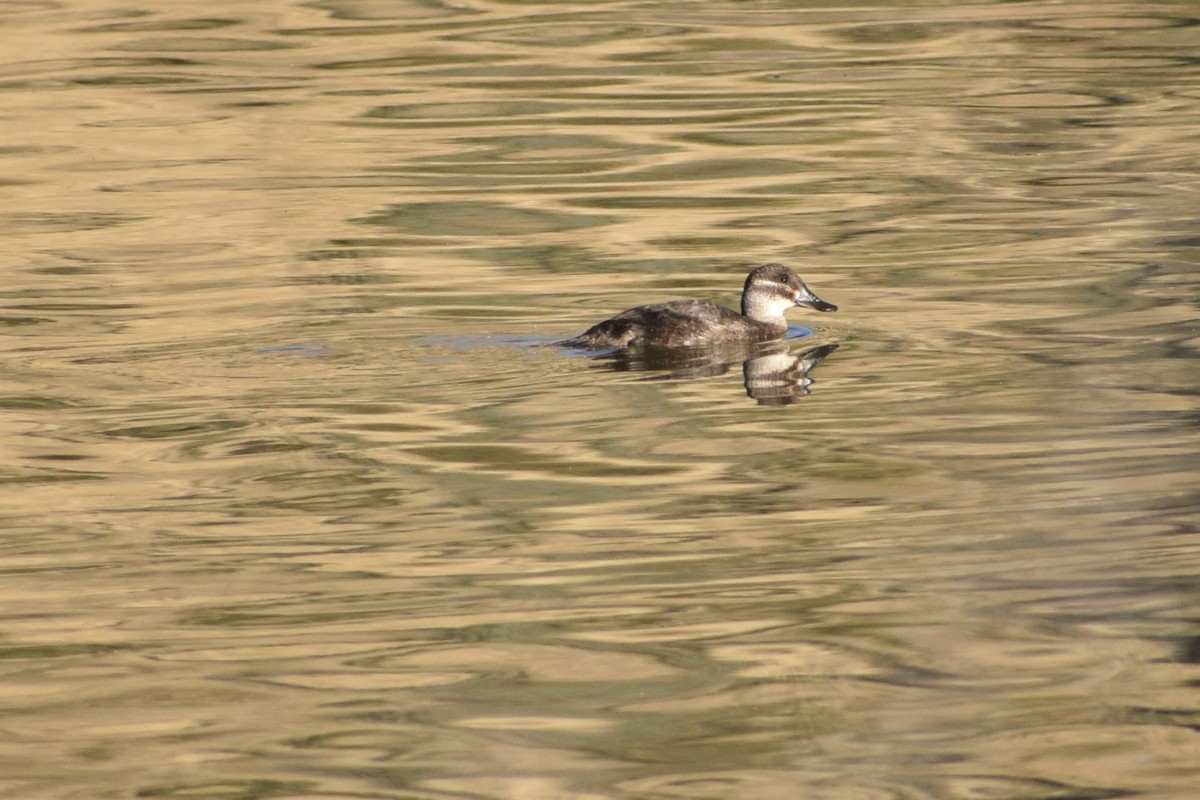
{"x":297,"y":505}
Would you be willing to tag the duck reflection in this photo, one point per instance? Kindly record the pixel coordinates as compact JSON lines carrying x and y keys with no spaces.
{"x":772,"y":373}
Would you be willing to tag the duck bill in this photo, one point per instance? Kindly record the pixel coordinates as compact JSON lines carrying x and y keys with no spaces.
{"x":810,"y":300}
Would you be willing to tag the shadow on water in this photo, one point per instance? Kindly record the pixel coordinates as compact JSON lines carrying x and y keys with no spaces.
{"x":773,"y":374}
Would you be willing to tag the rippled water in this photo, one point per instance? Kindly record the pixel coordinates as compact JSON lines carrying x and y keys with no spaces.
{"x":298,"y":504}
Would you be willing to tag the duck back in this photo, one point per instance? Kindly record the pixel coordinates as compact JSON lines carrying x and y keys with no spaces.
{"x":679,"y":323}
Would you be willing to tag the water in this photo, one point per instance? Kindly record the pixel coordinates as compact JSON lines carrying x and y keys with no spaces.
{"x":298,"y":505}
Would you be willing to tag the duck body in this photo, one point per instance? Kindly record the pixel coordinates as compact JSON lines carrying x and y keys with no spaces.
{"x":679,"y":323}
{"x":769,"y":291}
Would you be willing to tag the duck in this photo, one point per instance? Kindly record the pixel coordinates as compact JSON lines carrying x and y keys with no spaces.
{"x":769,"y":291}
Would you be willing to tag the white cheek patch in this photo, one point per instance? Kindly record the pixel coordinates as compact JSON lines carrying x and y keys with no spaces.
{"x":771,"y":303}
{"x":781,"y":304}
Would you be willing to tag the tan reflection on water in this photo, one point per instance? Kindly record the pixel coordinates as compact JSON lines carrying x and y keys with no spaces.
{"x":298,"y":505}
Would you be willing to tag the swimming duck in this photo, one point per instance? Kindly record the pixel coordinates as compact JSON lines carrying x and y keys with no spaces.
{"x":770,"y":290}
